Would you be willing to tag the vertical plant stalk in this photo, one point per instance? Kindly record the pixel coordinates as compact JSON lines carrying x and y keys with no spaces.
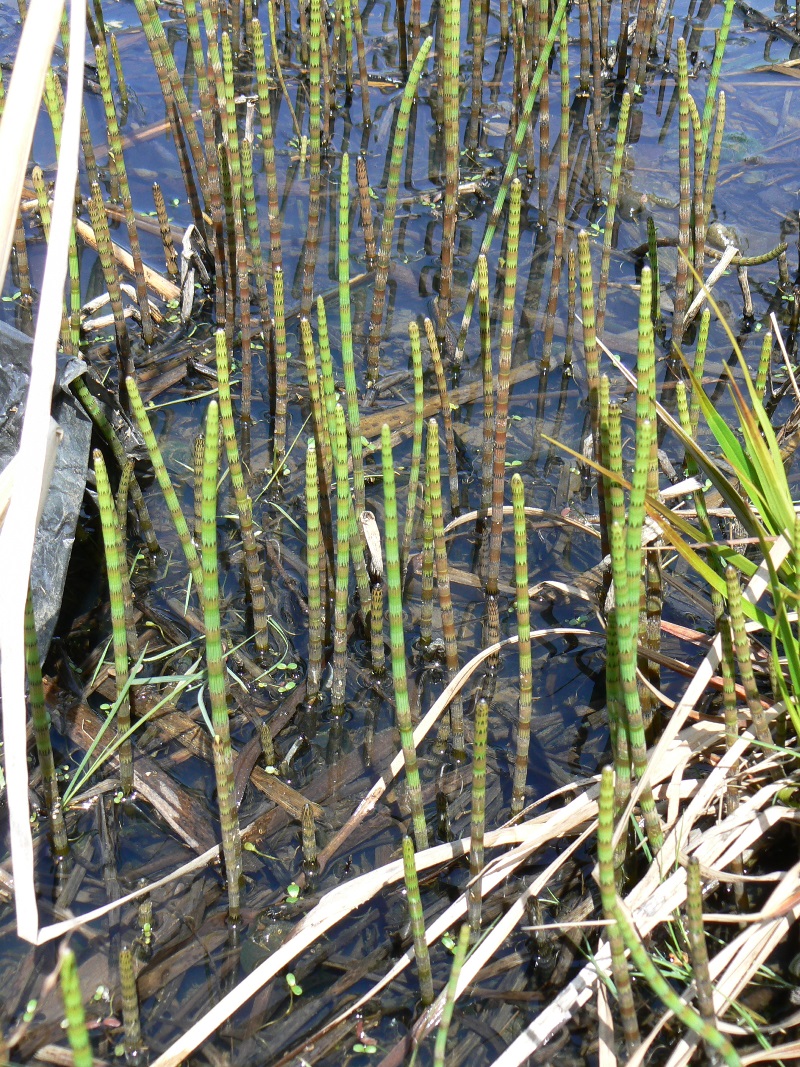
{"x":684,"y":204}
{"x":130,"y":1004}
{"x":115,"y":568}
{"x":417,"y":923}
{"x":713,"y":79}
{"x":254,"y":234}
{"x":165,"y":482}
{"x":652,"y":255}
{"x":244,"y":505}
{"x":524,"y":631}
{"x":223,"y":762}
{"x":97,"y":214}
{"x":741,"y":644}
{"x":281,"y":367}
{"x":363,"y":76}
{"x":434,"y":487}
{"x":398,"y":645}
{"x":389,"y":209}
{"x":480,"y":17}
{"x":488,"y":386}
{"x":170,"y":255}
{"x":478,"y":819}
{"x":77,"y":1031}
{"x":592,"y":359}
{"x":342,"y":564}
{"x":608,"y":896}
{"x":267,"y":144}
{"x":345,"y":320}
{"x":451,"y":37}
{"x":324,"y":443}
{"x":416,"y":449}
{"x":697,"y":945}
{"x":365,"y":204}
{"x":309,"y":840}
{"x":314,"y":76}
{"x":39,"y":716}
{"x":544,"y":120}
{"x":426,"y":593}
{"x":316,"y":624}
{"x":716,"y":151}
{"x":459,"y":955}
{"x":611,"y":210}
{"x":197,"y":465}
{"x":501,"y":412}
{"x":377,"y":647}
{"x":447,"y":415}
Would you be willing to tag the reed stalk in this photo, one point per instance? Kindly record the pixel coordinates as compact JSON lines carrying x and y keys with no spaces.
{"x":316,"y":625}
{"x":524,"y":631}
{"x":244,"y":505}
{"x":363,"y":76}
{"x":480,"y":17}
{"x":540,"y":24}
{"x":608,"y":896}
{"x":459,"y":955}
{"x":478,"y":817}
{"x":115,"y":568}
{"x":389,"y":209}
{"x":501,"y":411}
{"x":447,"y":415}
{"x":397,"y":642}
{"x":77,"y":1031}
{"x":417,"y":918}
{"x":611,"y":210}
{"x":215,"y":664}
{"x":416,"y":448}
{"x":165,"y":483}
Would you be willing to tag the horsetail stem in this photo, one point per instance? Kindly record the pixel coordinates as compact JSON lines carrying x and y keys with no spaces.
{"x":447,"y":415}
{"x":170,"y":255}
{"x":339,"y":441}
{"x":77,"y":1031}
{"x":197,"y":469}
{"x":254,"y":233}
{"x":697,"y":943}
{"x":488,"y":385}
{"x":716,"y":151}
{"x":698,"y":368}
{"x":426,"y":591}
{"x":130,"y":1004}
{"x":501,"y":412}
{"x":97,"y":214}
{"x":389,"y":208}
{"x":684,"y":204}
{"x":223,"y":762}
{"x":377,"y":648}
{"x":348,"y":366}
{"x":39,"y":715}
{"x":459,"y":955}
{"x":524,"y":631}
{"x":315,"y":616}
{"x":314,"y":77}
{"x":281,"y":366}
{"x":397,"y":642}
{"x":416,"y":450}
{"x":268,"y":146}
{"x":115,"y":150}
{"x":309,"y":840}
{"x":611,"y":210}
{"x":592,"y":359}
{"x":165,"y":482}
{"x":764,"y":364}
{"x":652,"y":253}
{"x":417,"y":923}
{"x":478,"y":818}
{"x":451,"y":38}
{"x":115,"y":567}
{"x":741,"y":644}
{"x":716,"y":66}
{"x":320,"y":422}
{"x":608,"y":896}
{"x":365,"y":204}
{"x":244,"y":505}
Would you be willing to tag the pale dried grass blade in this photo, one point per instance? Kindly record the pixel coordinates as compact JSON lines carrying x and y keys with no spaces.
{"x":19,"y":528}
{"x":606,"y":1057}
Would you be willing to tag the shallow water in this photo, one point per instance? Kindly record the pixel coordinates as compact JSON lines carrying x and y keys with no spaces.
{"x":192,"y":961}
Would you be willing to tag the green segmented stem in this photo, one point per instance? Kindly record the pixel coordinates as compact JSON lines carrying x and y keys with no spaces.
{"x":227,"y":107}
{"x":741,"y":644}
{"x":327,"y":383}
{"x":267,"y":144}
{"x":416,"y":449}
{"x":377,"y":648}
{"x":267,"y":745}
{"x":716,"y":67}
{"x":611,"y":210}
{"x":504,"y":370}
{"x":254,"y":232}
{"x":115,"y":567}
{"x":716,"y":151}
{"x":122,"y":85}
{"x":281,"y":367}
{"x":480,"y":17}
{"x":363,"y":76}
{"x":171,"y":83}
{"x":21,"y":257}
{"x":230,"y":241}
{"x":697,"y":942}
{"x":434,"y":487}
{"x":753,"y":261}
{"x":98,"y":417}
{"x":398,"y":645}
{"x":684,"y":203}
{"x":608,"y":896}
{"x":97,"y":214}
{"x":524,"y":631}
{"x":347,"y":21}
{"x":417,"y":918}
{"x":584,"y":83}
{"x":447,"y":415}
{"x":311,"y":246}
{"x":223,"y":762}
{"x":592,"y":359}
{"x":39,"y":716}
{"x":115,"y":150}
{"x":244,"y":505}
{"x":698,"y":368}
{"x":348,"y":366}
{"x":426,"y":593}
{"x":314,"y":76}
{"x":165,"y":482}
{"x":74,"y":293}
{"x":197,"y":469}
{"x":130,"y":1003}
{"x":309,"y":840}
{"x":488,"y":384}
{"x":561,"y":209}
{"x":597,"y":85}
{"x":313,"y":536}
{"x":320,"y":422}
{"x":77,"y":1031}
{"x":451,"y":38}
{"x":652,"y":253}
{"x":170,"y":255}
{"x":478,"y":817}
{"x":389,"y":209}
{"x":342,"y":564}
{"x":540,"y":25}
{"x":687,"y":1015}
{"x":698,"y":200}
{"x":365,"y":203}
{"x":764,"y":363}
{"x":572,"y":292}
{"x":459,"y":955}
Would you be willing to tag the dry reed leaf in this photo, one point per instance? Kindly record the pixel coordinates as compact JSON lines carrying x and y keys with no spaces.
{"x":19,"y":529}
{"x":606,"y":1057}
